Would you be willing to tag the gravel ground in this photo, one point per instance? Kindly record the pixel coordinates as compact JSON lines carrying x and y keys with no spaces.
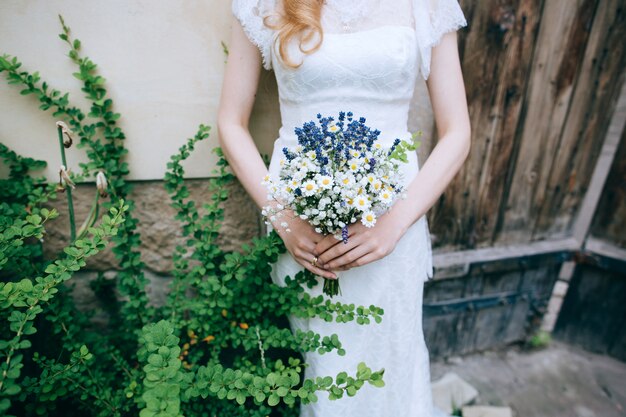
{"x":557,"y":381}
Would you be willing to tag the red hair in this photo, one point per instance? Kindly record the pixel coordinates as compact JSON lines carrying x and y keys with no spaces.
{"x":299,"y":17}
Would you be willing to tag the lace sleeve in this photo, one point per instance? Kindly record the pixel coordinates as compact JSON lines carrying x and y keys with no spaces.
{"x":250,"y":14}
{"x":434,"y":18}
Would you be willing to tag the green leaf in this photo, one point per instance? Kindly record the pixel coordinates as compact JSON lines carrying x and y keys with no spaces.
{"x":273,"y":400}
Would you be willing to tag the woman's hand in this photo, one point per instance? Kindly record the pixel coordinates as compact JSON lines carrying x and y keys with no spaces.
{"x":300,"y":241}
{"x":365,"y":244}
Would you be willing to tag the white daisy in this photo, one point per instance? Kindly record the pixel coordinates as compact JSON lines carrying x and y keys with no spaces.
{"x":368,"y":219}
{"x":347,"y":180}
{"x":354,"y":165}
{"x":386,"y":197}
{"x":325,"y":181}
{"x":361,"y":202}
{"x":309,"y":188}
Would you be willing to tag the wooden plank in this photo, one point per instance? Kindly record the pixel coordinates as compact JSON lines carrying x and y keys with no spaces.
{"x":558,"y":195}
{"x":485,"y":309}
{"x":491,"y":326}
{"x":607,"y":181}
{"x":501,"y":282}
{"x":539,"y":282}
{"x":610,"y":219}
{"x":558,"y":59}
{"x":518,"y":323}
{"x":455,"y":264}
{"x":497,"y":53}
{"x":593,"y":104}
{"x":605,"y":248}
{"x":445,"y":290}
{"x":592,"y":315}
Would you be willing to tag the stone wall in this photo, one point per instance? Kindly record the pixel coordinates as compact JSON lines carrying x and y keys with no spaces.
{"x":160,"y":231}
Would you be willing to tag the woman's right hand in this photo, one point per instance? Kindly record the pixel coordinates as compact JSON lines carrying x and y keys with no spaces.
{"x":240,"y":84}
{"x":300,"y":241}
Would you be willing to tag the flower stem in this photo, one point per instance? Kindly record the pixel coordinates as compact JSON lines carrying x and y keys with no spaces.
{"x":70,"y":201}
{"x":331,"y":287}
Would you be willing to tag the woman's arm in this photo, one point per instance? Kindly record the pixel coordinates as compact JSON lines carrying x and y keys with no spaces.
{"x":447,"y":94}
{"x":239,"y":86}
{"x":241,"y":79}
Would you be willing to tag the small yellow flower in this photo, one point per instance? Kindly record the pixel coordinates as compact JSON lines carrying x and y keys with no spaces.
{"x":244,"y":326}
{"x":209,"y":339}
{"x":224,"y":313}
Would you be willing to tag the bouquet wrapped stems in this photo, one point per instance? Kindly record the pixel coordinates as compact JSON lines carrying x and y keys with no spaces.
{"x":331,"y":287}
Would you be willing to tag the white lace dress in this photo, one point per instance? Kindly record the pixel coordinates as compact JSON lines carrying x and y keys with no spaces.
{"x":371,"y":55}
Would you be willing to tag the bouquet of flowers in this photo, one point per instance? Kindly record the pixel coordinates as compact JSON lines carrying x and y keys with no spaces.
{"x":338,"y":174}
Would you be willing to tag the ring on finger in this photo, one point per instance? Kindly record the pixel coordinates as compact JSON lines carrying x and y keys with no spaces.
{"x":314,"y":261}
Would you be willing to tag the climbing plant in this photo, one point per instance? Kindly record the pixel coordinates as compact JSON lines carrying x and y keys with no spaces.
{"x":221,"y":343}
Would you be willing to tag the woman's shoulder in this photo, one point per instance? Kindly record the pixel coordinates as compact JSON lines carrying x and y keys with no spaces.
{"x":251,"y":15}
{"x":257,"y":8}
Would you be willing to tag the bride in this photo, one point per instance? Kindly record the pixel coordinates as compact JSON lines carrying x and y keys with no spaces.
{"x":359,"y":56}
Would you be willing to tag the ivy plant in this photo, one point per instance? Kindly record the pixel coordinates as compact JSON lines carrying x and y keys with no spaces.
{"x":220,"y":345}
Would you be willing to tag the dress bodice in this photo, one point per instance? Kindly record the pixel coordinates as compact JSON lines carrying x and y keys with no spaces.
{"x":367,"y":63}
{"x":370,"y":73}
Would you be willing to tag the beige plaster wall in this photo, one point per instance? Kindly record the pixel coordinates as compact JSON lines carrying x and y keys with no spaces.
{"x":163,"y":61}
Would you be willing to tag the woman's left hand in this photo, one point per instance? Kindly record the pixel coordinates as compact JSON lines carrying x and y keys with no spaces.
{"x":365,"y":244}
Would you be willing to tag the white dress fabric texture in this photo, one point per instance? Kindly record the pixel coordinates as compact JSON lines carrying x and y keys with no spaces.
{"x":370,"y":57}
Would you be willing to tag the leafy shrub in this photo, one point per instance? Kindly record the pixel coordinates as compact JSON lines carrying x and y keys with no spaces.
{"x":220,"y":345}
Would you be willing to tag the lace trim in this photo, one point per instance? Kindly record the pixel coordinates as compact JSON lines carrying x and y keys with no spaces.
{"x":250,"y":14}
{"x":349,"y":11}
{"x":434,"y":18}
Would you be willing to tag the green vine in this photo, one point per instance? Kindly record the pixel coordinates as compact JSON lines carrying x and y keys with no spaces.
{"x":220,"y":345}
{"x":29,"y":294}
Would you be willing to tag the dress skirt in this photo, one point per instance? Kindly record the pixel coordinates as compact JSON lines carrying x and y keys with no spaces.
{"x":394,"y":283}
